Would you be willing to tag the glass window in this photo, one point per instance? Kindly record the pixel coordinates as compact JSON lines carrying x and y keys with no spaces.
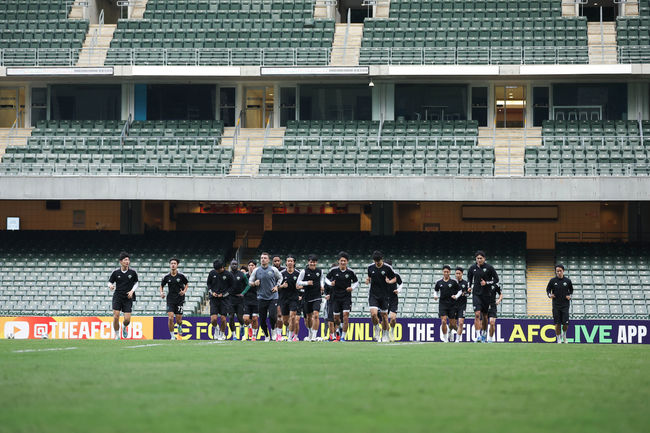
{"x":430,"y":102}
{"x":335,"y":102}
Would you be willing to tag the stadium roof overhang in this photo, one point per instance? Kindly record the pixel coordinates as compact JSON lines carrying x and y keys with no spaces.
{"x":314,"y":188}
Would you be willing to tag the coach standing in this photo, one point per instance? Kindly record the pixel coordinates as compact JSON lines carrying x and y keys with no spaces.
{"x":560,"y":290}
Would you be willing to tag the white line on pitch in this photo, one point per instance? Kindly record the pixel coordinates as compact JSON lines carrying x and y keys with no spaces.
{"x":142,"y":345}
{"x":44,"y":350}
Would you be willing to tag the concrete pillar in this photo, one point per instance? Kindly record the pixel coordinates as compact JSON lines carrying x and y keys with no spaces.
{"x":639,"y":221}
{"x":165,"y":216}
{"x":382,"y":218}
{"x":239,"y":100}
{"x":276,"y":105}
{"x":268,"y":217}
{"x":131,"y":217}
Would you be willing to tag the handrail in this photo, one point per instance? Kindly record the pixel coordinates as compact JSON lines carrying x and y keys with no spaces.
{"x":237,"y":128}
{"x":347,"y":32}
{"x":267,"y":129}
{"x":125,"y":129}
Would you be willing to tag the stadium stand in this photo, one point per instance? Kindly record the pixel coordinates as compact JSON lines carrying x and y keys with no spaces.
{"x":364,"y":148}
{"x":65,"y":273}
{"x":418,"y":257}
{"x":38,"y":32}
{"x":582,"y":148}
{"x":633,"y":35}
{"x":610,"y":280}
{"x":97,"y":147}
{"x":475,"y":32}
{"x":224,"y":32}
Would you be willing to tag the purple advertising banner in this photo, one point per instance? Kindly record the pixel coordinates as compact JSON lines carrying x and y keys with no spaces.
{"x":428,"y":330}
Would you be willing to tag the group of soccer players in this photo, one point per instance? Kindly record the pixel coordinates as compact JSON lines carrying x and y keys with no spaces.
{"x":281,"y":294}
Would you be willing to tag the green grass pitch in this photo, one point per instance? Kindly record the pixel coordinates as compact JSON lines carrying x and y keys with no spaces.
{"x":192,"y":386}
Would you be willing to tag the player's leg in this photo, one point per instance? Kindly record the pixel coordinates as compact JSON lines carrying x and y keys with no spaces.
{"x":315,"y":320}
{"x":493,"y":323}
{"x":287,"y":319}
{"x":273,"y":319}
{"x":476,"y":302}
{"x":125,"y":323}
{"x":557,"y":321}
{"x":293,"y":333}
{"x":179,"y":324}
{"x":170,"y":323}
{"x":461,"y":328}
{"x":214,"y":322}
{"x":255,"y":326}
{"x":392,"y":316}
{"x":116,"y":323}
{"x":263,"y":311}
{"x":565,"y":323}
{"x":384,"y":325}
{"x":443,"y":324}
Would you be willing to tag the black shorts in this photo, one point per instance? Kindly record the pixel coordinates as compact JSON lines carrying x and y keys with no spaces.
{"x":379,"y":302}
{"x":481,"y":303}
{"x":460,"y":309}
{"x":289,"y":305}
{"x":175,"y":306}
{"x":330,"y":311}
{"x":341,"y":304}
{"x":561,"y":315}
{"x":121,"y":302}
{"x":447,"y":309}
{"x":393,"y":302}
{"x":236,"y":305}
{"x":251,"y":307}
{"x":492,"y":311}
{"x":219,"y":306}
{"x":311,"y":306}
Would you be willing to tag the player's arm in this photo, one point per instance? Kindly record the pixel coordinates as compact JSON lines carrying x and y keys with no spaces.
{"x":248,"y":286}
{"x":301,"y":280}
{"x":111,"y":281}
{"x":186,"y":283}
{"x":355,"y":283}
{"x":210,"y":291}
{"x":549,"y":289}
{"x":278,"y":279}
{"x":494,"y":277}
{"x":470,"y":279}
{"x":253,"y":280}
{"x":458,"y":293}
{"x":133,"y":289}
{"x":322,"y":282}
{"x":436,"y":292}
{"x":498,"y":290}
{"x":162,"y":288}
{"x":570,"y":290}
{"x":230,"y":281}
{"x":399,"y":282}
{"x":328,"y":278}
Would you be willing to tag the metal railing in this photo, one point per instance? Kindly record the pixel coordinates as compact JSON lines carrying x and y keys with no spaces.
{"x":125,"y":129}
{"x":591,"y":236}
{"x":237,"y":128}
{"x":114,"y":169}
{"x":416,"y":56}
{"x":529,"y":55}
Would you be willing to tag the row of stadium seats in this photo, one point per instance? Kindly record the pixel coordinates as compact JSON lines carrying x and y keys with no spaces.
{"x":590,"y":148}
{"x":206,"y":33}
{"x":362,"y":147}
{"x":65,"y":273}
{"x":484,"y":8}
{"x":26,"y":26}
{"x":633,"y":38}
{"x":610,"y":280}
{"x":95,"y":147}
{"x":417,"y":257}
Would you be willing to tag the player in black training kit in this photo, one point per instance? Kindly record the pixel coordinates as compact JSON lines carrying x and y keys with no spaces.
{"x":177,"y":285}
{"x":313,"y":281}
{"x":220,"y":284}
{"x":449,"y":291}
{"x":289,"y":304}
{"x":343,"y":281}
{"x":251,"y":310}
{"x":277,"y":263}
{"x":239,"y":284}
{"x":480,"y":275}
{"x":380,"y":277}
{"x":458,"y":323}
{"x":393,"y":303}
{"x":492,"y":311}
{"x":560,"y":289}
{"x":124,"y":281}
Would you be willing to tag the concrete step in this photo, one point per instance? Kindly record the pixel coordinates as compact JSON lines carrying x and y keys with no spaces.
{"x":137,"y":13}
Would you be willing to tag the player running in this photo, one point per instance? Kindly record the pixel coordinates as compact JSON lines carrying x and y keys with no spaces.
{"x":220,"y":284}
{"x":277,"y":330}
{"x":267,"y":279}
{"x":251,"y":315}
{"x":177,"y":286}
{"x":380,"y":276}
{"x":312,"y":281}
{"x":124,"y":282}
{"x":343,"y":281}
{"x":480,"y":275}
{"x":492,"y":311}
{"x":289,"y":304}
{"x":448,"y":290}
{"x":560,"y":290}
{"x":240,"y":281}
{"x":458,"y":324}
{"x":393,"y":302}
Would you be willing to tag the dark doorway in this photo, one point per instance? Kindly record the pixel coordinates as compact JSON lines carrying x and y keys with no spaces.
{"x":591,"y":10}
{"x":359,"y":10}
{"x":181,"y":102}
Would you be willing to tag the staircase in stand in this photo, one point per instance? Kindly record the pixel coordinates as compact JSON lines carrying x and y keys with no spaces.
{"x":539,"y":270}
{"x":509,"y":147}
{"x":249,"y":148}
{"x":346,"y":53}
{"x":94,"y":50}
